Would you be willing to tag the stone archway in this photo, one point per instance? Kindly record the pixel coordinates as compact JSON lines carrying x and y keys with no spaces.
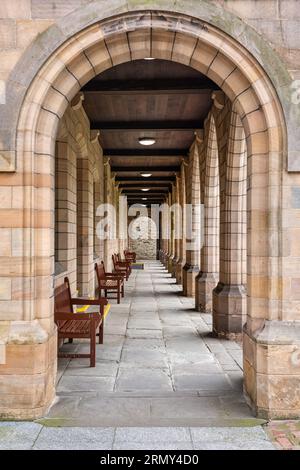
{"x":108,"y":42}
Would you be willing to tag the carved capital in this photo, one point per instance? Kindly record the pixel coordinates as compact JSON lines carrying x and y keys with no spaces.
{"x":77,"y":101}
{"x":218,"y":98}
{"x":94,"y":135}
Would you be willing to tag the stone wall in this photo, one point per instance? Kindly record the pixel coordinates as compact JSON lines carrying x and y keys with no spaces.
{"x":142,"y":244}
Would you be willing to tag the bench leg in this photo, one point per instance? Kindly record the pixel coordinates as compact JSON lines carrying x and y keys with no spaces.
{"x":93,"y":349}
{"x":118,"y":295}
{"x":123,"y":290}
{"x":101,"y":332}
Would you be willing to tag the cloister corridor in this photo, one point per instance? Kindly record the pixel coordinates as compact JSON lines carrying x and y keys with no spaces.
{"x":159,"y":365}
{"x":150,"y":150}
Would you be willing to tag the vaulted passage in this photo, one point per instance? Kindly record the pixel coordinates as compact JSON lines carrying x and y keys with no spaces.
{"x":159,"y":366}
{"x":125,"y":110}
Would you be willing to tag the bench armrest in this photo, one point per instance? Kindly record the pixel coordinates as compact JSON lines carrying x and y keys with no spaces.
{"x":124,"y":264}
{"x":114,"y":275}
{"x":76,"y":316}
{"x":80,"y":301}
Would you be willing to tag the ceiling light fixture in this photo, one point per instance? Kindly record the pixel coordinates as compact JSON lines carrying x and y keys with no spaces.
{"x":147,"y":141}
{"x":149,"y":58}
{"x":146,"y":175}
{"x":145,"y":189}
{"x":144,"y":199}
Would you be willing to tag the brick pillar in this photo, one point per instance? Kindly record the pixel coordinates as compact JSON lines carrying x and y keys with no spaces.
{"x":65,"y":213}
{"x":165,"y":225}
{"x":208,"y":276}
{"x":229,"y":297}
{"x":172,"y":227}
{"x":98,"y":243}
{"x":177,"y":223}
{"x":85,"y":227}
{"x":191,"y":268}
{"x":182,"y":241}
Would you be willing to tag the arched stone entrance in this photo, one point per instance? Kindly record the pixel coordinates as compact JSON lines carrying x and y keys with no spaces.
{"x":112,"y":37}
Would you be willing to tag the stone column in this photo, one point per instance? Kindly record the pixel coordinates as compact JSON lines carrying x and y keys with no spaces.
{"x":172,"y":241}
{"x":177,"y":223}
{"x":165,"y":231}
{"x":191,"y":268}
{"x":107,"y":200}
{"x":98,"y":200}
{"x":65,"y":213}
{"x":229,"y":297}
{"x":208,"y":276}
{"x":85,"y":227}
{"x":182,"y":241}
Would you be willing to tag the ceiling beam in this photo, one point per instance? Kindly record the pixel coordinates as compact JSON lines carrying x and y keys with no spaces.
{"x":139,"y":193}
{"x":132,"y":126}
{"x":145,"y":152}
{"x":146,"y":180}
{"x":144,"y":185}
{"x":148,"y":204}
{"x":143,"y":86}
{"x":141,"y":169}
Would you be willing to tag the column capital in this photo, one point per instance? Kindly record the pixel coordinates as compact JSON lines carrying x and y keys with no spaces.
{"x":77,"y":101}
{"x":218,"y":98}
{"x":94,"y":135}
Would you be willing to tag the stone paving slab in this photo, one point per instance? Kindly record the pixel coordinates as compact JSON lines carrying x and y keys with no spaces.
{"x":201,"y":382}
{"x":140,"y":333}
{"x":18,"y":436}
{"x":44,"y":437}
{"x":77,"y":383}
{"x":75,"y":439}
{"x":143,"y":379}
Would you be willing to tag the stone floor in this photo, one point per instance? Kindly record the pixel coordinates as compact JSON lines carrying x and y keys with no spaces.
{"x":161,"y":382}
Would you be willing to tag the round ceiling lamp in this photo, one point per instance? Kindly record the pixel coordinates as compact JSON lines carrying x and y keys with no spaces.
{"x":146,"y":175}
{"x":147,"y":141}
{"x":145,"y":189}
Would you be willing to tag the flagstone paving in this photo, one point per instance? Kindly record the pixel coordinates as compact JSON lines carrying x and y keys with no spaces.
{"x":162,"y":381}
{"x":159,"y":365}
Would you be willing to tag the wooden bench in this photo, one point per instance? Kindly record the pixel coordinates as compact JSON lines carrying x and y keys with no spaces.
{"x":121,"y":266}
{"x":130,"y":256}
{"x":78,"y":325}
{"x":109,"y":282}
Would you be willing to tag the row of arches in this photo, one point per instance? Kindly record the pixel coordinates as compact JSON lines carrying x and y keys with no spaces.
{"x":256,"y":133}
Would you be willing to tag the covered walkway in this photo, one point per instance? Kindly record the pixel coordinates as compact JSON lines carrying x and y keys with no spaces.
{"x":159,"y":365}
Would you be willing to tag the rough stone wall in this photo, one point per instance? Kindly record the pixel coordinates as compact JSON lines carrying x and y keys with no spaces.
{"x":143,"y":245}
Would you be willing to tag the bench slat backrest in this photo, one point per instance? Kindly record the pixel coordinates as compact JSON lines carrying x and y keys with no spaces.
{"x":62,"y":298}
{"x":100,"y":271}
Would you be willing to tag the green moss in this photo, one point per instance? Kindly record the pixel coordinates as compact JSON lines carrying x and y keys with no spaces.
{"x":245,"y":422}
{"x":53,"y":422}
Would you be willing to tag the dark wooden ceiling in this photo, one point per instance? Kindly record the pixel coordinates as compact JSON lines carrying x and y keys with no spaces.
{"x":142,"y":98}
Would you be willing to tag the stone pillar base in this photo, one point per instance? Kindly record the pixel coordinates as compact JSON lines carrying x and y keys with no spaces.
{"x":166,"y":260}
{"x":174,"y":265}
{"x":27,"y":372}
{"x":205,"y":283}
{"x":272,"y":370}
{"x":229,"y":310}
{"x":189,"y":274}
{"x":178,"y":272}
{"x":170,"y":263}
